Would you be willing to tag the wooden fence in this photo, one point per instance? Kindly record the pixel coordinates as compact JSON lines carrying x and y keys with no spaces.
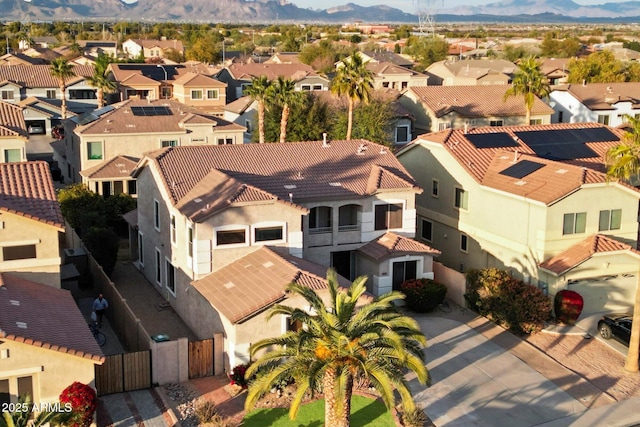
{"x":200,"y":358}
{"x":124,"y":372}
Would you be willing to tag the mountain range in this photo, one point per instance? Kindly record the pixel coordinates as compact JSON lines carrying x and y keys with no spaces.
{"x":264,"y":11}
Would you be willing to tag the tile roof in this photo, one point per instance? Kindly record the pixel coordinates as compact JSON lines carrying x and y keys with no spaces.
{"x":295,"y":171}
{"x":602,"y":96}
{"x":295,"y":72}
{"x":580,"y":252}
{"x":162,"y":44}
{"x":284,"y":58}
{"x":195,"y":79}
{"x":26,"y":189}
{"x":46,"y":317}
{"x":117,"y":167}
{"x":12,"y":122}
{"x":44,"y":106}
{"x":386,"y":56}
{"x":387,"y":68}
{"x":547,"y":184}
{"x":240,"y":105}
{"x":254,"y":282}
{"x":34,"y":76}
{"x":121,"y":120}
{"x":485,"y":66}
{"x":476,"y":101}
{"x":391,"y":245}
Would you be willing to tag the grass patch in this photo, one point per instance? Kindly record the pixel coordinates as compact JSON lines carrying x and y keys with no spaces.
{"x":364,"y":412}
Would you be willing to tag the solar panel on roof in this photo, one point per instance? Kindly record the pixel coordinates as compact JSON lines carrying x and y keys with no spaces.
{"x":151,"y":111}
{"x":565,"y":144}
{"x":492,"y":140}
{"x":87,"y":118}
{"x":522,"y":169}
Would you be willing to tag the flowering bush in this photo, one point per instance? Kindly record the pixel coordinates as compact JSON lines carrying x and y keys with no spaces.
{"x":237,"y":375}
{"x":83,"y":400}
{"x":568,"y":306}
{"x":423,"y":295}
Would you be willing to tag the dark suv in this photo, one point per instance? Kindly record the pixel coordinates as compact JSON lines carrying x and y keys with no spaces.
{"x":616,"y":325}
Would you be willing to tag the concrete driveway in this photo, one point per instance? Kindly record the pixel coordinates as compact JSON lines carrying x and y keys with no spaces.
{"x":475,"y":382}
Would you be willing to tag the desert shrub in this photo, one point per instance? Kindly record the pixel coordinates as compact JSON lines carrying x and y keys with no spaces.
{"x":568,"y":305}
{"x":206,"y":411}
{"x":423,"y":295}
{"x":83,"y":400}
{"x":237,"y":375}
{"x":414,"y":418}
{"x":219,"y":421}
{"x":510,"y":302}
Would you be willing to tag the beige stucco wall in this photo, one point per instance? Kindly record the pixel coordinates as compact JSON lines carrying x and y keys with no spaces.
{"x":12,"y":143}
{"x":183,"y":94}
{"x":17,"y":230}
{"x":52,"y":371}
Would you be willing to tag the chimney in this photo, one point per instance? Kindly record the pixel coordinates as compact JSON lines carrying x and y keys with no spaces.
{"x":466,"y":128}
{"x":515,"y":156}
{"x":584,"y":82}
{"x":325,"y":144}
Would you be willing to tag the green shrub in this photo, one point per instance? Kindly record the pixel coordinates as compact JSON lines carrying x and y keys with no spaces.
{"x":510,"y":302}
{"x":423,"y":295}
{"x":414,"y":418}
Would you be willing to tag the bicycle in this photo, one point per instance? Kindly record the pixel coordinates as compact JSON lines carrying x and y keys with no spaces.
{"x":101,"y":338}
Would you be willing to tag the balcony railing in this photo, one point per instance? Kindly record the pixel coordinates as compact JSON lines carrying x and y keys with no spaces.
{"x":320,"y":230}
{"x":354,"y":227}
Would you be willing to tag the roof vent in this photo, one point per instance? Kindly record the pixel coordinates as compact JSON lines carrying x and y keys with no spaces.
{"x":229,"y":285}
{"x":197,"y":200}
{"x":325,"y":144}
{"x":126,"y":111}
{"x":14,"y":302}
{"x":290,"y":186}
{"x":361,"y":149}
{"x":268,"y":264}
{"x":521,"y":183}
{"x":21,"y":325}
{"x":335,"y":184}
{"x":562,"y":171}
{"x":382,"y":150}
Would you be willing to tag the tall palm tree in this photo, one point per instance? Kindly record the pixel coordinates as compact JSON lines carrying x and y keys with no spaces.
{"x":61,"y":69}
{"x":623,"y":163}
{"x":99,"y":79}
{"x":354,"y":80}
{"x":284,"y":94}
{"x":529,"y":81}
{"x":338,"y":344}
{"x":258,"y":91}
{"x":21,"y":417}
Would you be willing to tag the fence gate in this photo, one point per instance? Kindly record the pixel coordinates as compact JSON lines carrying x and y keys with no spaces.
{"x":124,"y":372}
{"x":200,"y":358}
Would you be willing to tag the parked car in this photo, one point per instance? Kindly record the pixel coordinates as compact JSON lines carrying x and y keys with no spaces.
{"x":616,"y":325}
{"x":36,"y":129}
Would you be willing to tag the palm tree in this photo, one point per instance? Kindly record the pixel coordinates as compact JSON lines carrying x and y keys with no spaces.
{"x":529,"y":81}
{"x":61,"y":69}
{"x":623,"y":163}
{"x":354,"y":80}
{"x":258,"y":91}
{"x":100,"y":81}
{"x":21,"y":417}
{"x":284,"y":94}
{"x":338,"y":344}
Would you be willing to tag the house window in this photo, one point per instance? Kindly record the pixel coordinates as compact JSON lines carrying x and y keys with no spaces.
{"x":464,"y":242}
{"x":190,"y":242}
{"x":11,"y":253}
{"x":435,"y":188}
{"x":320,"y":220}
{"x":427,"y":230}
{"x":610,"y":220}
{"x":443,"y":126}
{"x":170,"y":143}
{"x":173,"y":229}
{"x":7,"y":95}
{"x":140,"y":249}
{"x":158,"y":267}
{"x":535,"y":121}
{"x":403,"y":271}
{"x":51,"y":93}
{"x":461,"y":199}
{"x":496,"y":123}
{"x":156,"y":215}
{"x":225,"y":141}
{"x":402,"y":134}
{"x":305,"y":87}
{"x":348,"y":218}
{"x":388,"y":216}
{"x":574,"y":223}
{"x":317,"y":87}
{"x":12,"y":155}
{"x":293,"y":325}
{"x":231,"y":237}
{"x":196,"y":94}
{"x":247,"y":124}
{"x":603,"y":119}
{"x":165,"y":92}
{"x":94,"y":150}
{"x":212,"y":94}
{"x":5,"y":394}
{"x":132,"y":187}
{"x":265,"y":234}
{"x":170,"y":273}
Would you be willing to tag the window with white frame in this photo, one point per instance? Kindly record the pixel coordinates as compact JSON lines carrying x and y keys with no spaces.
{"x":464,"y":243}
{"x":156,"y":214}
{"x":170,"y":276}
{"x":12,"y":253}
{"x":427,"y":230}
{"x":196,"y":94}
{"x":496,"y":123}
{"x":610,"y":220}
{"x":402,"y":134}
{"x":292,"y":325}
{"x":317,"y":87}
{"x":461,"y":199}
{"x":12,"y":155}
{"x":444,"y":125}
{"x":403,"y":271}
{"x":320,"y":219}
{"x":51,"y":93}
{"x":190,"y":241}
{"x":212,"y":94}
{"x":603,"y":119}
{"x":7,"y":95}
{"x":435,"y":188}
{"x":158,"y":267}
{"x":305,"y":87}
{"x":231,"y":235}
{"x":94,"y":150}
{"x":169,"y":143}
{"x":535,"y":121}
{"x":271,"y":233}
{"x":574,"y":223}
{"x":388,"y":216}
{"x":348,"y":217}
{"x":173,"y":229}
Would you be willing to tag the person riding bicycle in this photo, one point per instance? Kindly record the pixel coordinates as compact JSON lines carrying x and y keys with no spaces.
{"x":99,"y":306}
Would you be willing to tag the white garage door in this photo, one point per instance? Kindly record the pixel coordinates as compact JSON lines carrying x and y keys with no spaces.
{"x":607,"y":293}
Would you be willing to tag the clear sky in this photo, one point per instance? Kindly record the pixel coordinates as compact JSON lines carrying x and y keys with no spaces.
{"x":410,"y":6}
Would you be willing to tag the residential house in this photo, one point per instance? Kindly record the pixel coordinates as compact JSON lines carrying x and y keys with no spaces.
{"x":93,"y":48}
{"x":388,"y":75}
{"x":436,"y":108}
{"x":470,"y":72}
{"x":238,"y":77}
{"x":606,"y":103}
{"x":206,"y":215}
{"x":243,"y":111}
{"x":41,"y":41}
{"x":45,"y":344}
{"x":382,"y":56}
{"x":41,"y":115}
{"x":534,"y":200}
{"x":31,"y":223}
{"x":100,"y":148}
{"x":41,"y":54}
{"x":13,"y":134}
{"x":556,"y":70}
{"x":151,"y":48}
{"x":24,"y":81}
{"x":284,"y":58}
{"x":17,"y":58}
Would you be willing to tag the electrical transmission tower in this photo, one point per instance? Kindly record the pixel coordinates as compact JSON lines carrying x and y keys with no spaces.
{"x":426,"y":11}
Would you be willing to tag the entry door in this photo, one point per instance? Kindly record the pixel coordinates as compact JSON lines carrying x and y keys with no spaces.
{"x":403,"y":271}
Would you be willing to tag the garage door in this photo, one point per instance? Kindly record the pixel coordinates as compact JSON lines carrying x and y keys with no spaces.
{"x":606,"y":293}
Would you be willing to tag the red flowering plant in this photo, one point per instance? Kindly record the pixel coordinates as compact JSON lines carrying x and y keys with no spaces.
{"x":83,"y":400}
{"x":237,"y":375}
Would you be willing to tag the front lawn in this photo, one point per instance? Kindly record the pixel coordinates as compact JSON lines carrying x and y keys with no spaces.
{"x":364,"y":412}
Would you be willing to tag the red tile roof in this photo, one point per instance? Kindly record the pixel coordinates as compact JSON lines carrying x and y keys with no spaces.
{"x":194,"y":79}
{"x":117,"y":167}
{"x":476,"y":101}
{"x":12,"y":122}
{"x":26,"y":189}
{"x":579,"y":253}
{"x":391,"y":245}
{"x":295,"y":171}
{"x":256,"y":281}
{"x":271,"y":71}
{"x":44,"y":316}
{"x":602,"y":96}
{"x":33,"y":76}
